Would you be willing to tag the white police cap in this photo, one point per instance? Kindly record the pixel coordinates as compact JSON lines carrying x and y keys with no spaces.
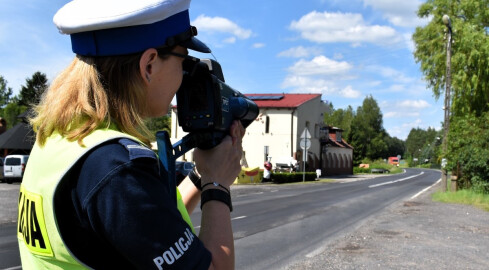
{"x":115,"y":27}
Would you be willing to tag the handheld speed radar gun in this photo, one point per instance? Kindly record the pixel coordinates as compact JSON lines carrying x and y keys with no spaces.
{"x":207,"y":106}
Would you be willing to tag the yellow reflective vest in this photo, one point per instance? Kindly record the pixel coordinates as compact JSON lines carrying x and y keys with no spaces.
{"x":40,"y":242}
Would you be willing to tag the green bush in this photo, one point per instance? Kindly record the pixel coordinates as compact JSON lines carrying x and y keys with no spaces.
{"x":357,"y":170}
{"x":468,"y":151}
{"x":282,"y":178}
{"x":378,"y":164}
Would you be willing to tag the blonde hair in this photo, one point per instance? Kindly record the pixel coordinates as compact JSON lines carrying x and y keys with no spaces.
{"x":94,"y":93}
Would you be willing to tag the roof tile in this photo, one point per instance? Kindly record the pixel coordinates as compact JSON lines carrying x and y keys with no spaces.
{"x":288,"y":100}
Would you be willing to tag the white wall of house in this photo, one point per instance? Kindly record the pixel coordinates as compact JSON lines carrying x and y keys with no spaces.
{"x":310,"y":116}
{"x":285,"y":126}
{"x":280,"y":136}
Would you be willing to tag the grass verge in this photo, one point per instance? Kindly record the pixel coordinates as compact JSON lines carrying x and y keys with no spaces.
{"x":463,"y":197}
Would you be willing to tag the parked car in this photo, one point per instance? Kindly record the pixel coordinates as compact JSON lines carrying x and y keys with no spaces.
{"x":182,"y":169}
{"x":13,"y":167}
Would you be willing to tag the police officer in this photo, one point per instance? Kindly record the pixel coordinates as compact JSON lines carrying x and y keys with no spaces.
{"x":94,"y":195}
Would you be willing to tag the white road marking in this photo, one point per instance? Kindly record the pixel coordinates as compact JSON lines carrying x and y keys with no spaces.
{"x":421,"y":192}
{"x":236,"y":218}
{"x":395,"y":181}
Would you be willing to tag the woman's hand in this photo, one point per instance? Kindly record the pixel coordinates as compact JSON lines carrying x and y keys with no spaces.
{"x":222,"y":163}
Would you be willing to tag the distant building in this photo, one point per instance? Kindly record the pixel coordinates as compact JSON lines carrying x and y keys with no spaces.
{"x":337,"y":154}
{"x":19,"y":139}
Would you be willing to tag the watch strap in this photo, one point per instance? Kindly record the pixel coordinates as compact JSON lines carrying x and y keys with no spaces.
{"x":195,"y":179}
{"x":216,"y":195}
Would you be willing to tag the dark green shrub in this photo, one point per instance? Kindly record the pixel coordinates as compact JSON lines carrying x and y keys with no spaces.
{"x":357,"y":170}
{"x":468,"y":151}
{"x":281,"y":178}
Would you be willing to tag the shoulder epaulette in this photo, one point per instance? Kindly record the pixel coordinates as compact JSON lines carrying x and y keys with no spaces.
{"x":136,"y":150}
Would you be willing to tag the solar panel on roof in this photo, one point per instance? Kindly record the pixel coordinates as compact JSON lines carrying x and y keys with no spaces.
{"x":265,"y":97}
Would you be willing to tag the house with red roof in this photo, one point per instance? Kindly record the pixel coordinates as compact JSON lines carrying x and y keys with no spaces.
{"x":276,"y":133}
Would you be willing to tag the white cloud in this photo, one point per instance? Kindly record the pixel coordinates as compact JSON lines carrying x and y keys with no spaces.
{"x":408,"y":40}
{"x":320,"y":75}
{"x":307,"y":84}
{"x":397,"y":114}
{"x":300,"y":52}
{"x":373,"y":83}
{"x":221,"y":25}
{"x":230,"y":40}
{"x":332,"y":27}
{"x":320,"y":65}
{"x":397,"y":88}
{"x":258,"y":45}
{"x":398,"y":12}
{"x":338,"y":56}
{"x":402,"y":131}
{"x":413,"y":104}
{"x":404,"y":108}
{"x":391,"y":73}
{"x":349,"y":92}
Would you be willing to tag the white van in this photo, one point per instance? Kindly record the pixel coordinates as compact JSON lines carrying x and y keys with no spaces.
{"x":13,"y":167}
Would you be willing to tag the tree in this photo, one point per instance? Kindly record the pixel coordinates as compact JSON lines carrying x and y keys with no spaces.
{"x":470,"y":60}
{"x":423,"y":144}
{"x":367,"y":132}
{"x":12,"y":111}
{"x":5,"y":92}
{"x":158,"y":124}
{"x":31,"y":93}
{"x":395,"y":146}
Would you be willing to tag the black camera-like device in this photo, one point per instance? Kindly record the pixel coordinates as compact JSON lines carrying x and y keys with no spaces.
{"x":207,"y":106}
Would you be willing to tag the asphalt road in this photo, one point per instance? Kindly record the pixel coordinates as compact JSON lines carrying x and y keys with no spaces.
{"x":274,"y":226}
{"x":9,"y":251}
{"x":277,"y":225}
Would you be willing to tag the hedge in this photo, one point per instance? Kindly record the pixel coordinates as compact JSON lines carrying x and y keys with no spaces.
{"x":281,"y":178}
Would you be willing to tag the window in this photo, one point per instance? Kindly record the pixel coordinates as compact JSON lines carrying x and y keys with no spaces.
{"x":338,"y":136}
{"x":12,"y":161}
{"x":267,"y":124}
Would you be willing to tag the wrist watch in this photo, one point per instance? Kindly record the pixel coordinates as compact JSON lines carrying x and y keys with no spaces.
{"x":216,"y":195}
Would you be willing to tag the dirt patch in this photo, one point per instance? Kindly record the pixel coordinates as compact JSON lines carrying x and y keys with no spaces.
{"x":412,"y":203}
{"x":350,"y":247}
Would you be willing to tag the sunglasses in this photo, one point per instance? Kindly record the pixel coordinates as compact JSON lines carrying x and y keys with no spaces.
{"x":189,"y":62}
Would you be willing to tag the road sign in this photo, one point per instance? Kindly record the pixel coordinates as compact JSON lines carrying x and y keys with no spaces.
{"x":305,"y":144}
{"x":305,"y":134}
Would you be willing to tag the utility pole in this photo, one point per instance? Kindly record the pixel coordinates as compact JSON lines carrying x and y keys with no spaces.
{"x":446,"y":123}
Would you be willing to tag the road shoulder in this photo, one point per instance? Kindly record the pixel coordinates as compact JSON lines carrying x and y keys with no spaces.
{"x":412,"y":234}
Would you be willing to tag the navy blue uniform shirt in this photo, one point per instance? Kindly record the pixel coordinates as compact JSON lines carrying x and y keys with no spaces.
{"x":116,"y":210}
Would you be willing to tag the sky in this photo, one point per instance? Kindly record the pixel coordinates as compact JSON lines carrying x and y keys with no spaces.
{"x":345,"y":50}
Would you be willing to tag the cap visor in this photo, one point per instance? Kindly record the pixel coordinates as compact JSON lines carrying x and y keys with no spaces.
{"x":194,"y":44}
